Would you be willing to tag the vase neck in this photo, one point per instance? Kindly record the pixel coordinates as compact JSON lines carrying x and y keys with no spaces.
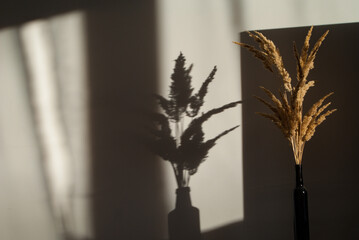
{"x":298,"y":175}
{"x":183,"y":197}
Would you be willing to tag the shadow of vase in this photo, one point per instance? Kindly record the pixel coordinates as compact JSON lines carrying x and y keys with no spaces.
{"x":184,"y":221}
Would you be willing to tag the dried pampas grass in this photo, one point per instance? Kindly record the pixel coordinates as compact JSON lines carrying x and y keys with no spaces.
{"x":287,"y":107}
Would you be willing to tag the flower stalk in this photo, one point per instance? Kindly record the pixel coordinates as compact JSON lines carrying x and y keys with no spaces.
{"x":287,"y":107}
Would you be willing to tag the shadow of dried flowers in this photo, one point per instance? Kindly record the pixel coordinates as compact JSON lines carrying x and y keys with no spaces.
{"x":184,"y":148}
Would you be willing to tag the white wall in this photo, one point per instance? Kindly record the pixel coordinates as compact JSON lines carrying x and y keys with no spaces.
{"x":23,"y":192}
{"x":36,"y":179}
{"x":261,"y":14}
{"x":203,"y":32}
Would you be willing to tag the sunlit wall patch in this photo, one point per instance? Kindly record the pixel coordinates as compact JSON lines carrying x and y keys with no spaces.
{"x":203,"y":31}
{"x":54,"y":51}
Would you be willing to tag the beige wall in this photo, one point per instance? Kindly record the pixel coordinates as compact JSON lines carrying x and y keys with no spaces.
{"x":203,"y":30}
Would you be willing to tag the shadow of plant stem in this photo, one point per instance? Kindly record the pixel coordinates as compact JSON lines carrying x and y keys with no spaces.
{"x":186,"y":149}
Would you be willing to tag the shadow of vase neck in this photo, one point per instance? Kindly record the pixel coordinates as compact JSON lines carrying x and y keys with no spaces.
{"x":183,"y":199}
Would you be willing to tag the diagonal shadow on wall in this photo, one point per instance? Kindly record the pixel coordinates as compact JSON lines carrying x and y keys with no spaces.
{"x":127,"y":181}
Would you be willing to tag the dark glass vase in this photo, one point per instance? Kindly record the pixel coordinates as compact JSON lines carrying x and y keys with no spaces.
{"x":183,"y":221}
{"x":301,"y":220}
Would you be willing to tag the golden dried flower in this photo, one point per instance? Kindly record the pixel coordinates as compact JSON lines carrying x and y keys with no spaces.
{"x":287,"y":109}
